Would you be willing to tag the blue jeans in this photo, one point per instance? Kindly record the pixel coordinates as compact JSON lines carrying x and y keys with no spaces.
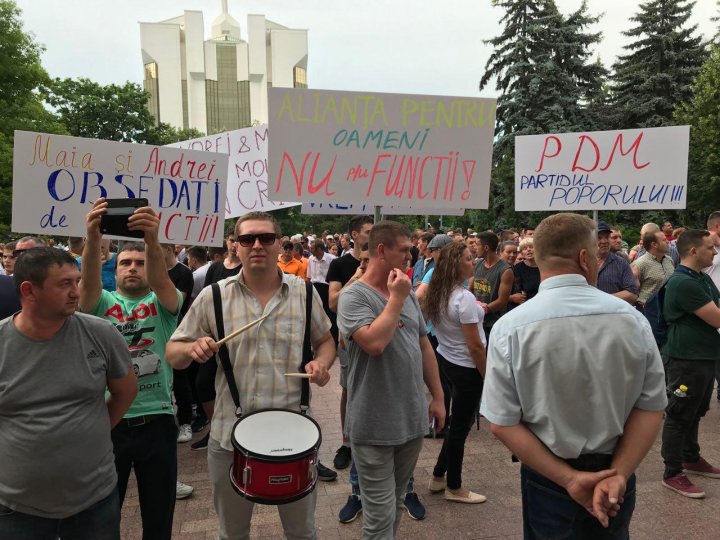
{"x":549,"y":512}
{"x":99,"y":522}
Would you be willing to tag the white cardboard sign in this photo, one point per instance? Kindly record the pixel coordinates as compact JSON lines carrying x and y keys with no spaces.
{"x":360,"y":209}
{"x":631,"y":169}
{"x":247,"y":184}
{"x":380,"y":149}
{"x":57,"y":178}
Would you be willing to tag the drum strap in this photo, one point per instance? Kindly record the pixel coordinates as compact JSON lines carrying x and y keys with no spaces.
{"x":223,"y":352}
{"x":307,"y":354}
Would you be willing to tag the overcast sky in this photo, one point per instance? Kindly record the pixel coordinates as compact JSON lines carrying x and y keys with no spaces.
{"x":419,"y":46}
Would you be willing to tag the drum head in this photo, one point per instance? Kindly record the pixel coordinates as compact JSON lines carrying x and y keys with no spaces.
{"x":276,"y":433}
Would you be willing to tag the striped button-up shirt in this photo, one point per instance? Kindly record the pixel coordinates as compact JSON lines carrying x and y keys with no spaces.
{"x":652,"y":273}
{"x":615,"y":275}
{"x":260,"y":356}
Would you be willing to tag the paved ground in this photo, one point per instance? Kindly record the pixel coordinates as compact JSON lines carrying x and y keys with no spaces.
{"x":487,"y":469}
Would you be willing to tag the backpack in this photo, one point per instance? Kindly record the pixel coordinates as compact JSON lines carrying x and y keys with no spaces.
{"x":654,"y":312}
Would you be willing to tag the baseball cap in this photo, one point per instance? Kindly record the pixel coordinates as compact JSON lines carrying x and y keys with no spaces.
{"x":439,"y":241}
{"x":603,"y":227}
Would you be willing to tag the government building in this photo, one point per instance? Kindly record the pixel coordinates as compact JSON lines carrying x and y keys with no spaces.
{"x":218,"y":84}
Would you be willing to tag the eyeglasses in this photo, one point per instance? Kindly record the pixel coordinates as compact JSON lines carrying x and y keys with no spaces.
{"x":248,"y":240}
{"x":18,"y":252}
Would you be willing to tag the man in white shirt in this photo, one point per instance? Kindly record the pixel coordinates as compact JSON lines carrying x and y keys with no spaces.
{"x":319,"y":263}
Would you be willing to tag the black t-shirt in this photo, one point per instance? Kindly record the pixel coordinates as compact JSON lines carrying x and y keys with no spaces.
{"x":182,"y":278}
{"x":217,"y":271}
{"x":9,"y":301}
{"x":342,"y":269}
{"x":527,"y":279}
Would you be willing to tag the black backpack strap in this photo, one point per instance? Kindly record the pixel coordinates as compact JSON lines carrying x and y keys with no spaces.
{"x":307,"y":354}
{"x":223,"y":353}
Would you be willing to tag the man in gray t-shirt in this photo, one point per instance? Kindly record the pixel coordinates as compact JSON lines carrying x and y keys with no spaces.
{"x":390,"y":358}
{"x":55,"y":423}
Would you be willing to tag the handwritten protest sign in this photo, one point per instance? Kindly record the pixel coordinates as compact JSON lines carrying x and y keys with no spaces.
{"x":355,"y":209}
{"x":247,"y":184}
{"x":628,"y":169}
{"x":384,"y":149}
{"x":57,"y":178}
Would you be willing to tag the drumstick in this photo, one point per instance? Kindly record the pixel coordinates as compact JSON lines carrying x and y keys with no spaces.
{"x":241,"y":330}
{"x":300,"y":375}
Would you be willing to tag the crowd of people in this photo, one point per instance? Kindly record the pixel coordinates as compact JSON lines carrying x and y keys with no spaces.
{"x":109,"y":359}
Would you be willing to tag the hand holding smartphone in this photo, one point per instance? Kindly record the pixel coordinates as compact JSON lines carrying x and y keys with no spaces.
{"x":115,"y":220}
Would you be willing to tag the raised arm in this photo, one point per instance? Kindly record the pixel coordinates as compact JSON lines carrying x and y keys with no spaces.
{"x":91,"y":269}
{"x":145,"y":220}
{"x":375,"y":337}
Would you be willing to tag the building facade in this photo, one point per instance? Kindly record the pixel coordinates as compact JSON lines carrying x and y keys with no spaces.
{"x":218,"y":84}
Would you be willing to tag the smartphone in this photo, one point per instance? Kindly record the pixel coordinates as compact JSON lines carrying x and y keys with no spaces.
{"x":115,"y":220}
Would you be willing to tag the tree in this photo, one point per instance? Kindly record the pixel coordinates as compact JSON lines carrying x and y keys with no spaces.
{"x":21,"y":74}
{"x":664,"y":57}
{"x":166,"y":134}
{"x":702,"y":113}
{"x":547,"y":83}
{"x":111,"y":112}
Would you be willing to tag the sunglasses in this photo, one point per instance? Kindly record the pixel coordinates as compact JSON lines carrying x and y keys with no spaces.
{"x":248,"y":240}
{"x":18,"y":252}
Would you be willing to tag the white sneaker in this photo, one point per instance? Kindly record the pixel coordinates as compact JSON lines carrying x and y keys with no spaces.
{"x":184,"y":433}
{"x":183,"y":491}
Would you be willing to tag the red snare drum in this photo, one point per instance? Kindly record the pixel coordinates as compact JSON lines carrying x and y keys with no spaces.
{"x":276,"y":456}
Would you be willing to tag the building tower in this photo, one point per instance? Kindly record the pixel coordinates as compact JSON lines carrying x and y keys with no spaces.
{"x":221,"y":83}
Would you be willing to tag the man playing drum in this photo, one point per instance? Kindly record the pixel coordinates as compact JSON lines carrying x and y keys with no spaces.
{"x":260,"y":357}
{"x":57,"y":476}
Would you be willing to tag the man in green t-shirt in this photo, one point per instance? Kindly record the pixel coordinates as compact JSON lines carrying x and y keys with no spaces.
{"x":144,"y":308}
{"x":693,"y":316}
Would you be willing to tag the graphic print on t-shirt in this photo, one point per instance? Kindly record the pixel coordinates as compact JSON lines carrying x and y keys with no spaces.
{"x":146,"y":326}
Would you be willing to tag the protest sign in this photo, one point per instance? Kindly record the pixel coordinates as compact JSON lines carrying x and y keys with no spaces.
{"x":359,"y":209}
{"x":380,"y":149}
{"x":631,"y":169}
{"x":57,"y":178}
{"x":247,"y":184}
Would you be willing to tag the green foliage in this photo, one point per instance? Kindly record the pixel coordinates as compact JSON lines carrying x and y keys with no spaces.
{"x":703,"y":114}
{"x":664,"y":56}
{"x":21,"y":74}
{"x":111,"y":112}
{"x":166,"y":134}
{"x":547,"y":82}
